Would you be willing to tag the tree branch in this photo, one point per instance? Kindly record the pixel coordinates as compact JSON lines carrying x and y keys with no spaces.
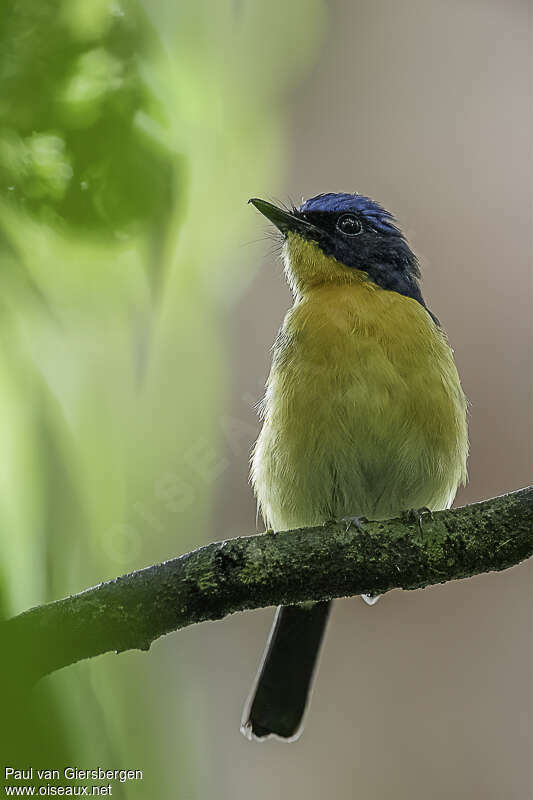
{"x":269,"y":569}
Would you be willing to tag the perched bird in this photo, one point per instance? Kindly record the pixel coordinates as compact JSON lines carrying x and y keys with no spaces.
{"x":363,"y":416}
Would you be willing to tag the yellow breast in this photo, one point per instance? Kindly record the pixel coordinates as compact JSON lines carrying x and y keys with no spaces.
{"x":364,"y":412}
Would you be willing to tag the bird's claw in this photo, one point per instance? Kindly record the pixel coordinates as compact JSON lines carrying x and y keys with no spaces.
{"x":355,"y":522}
{"x":417,"y":515}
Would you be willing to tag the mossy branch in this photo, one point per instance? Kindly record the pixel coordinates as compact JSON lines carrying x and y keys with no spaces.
{"x":269,"y":569}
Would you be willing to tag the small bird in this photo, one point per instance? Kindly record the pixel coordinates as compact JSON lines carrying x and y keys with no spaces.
{"x":363,"y":417}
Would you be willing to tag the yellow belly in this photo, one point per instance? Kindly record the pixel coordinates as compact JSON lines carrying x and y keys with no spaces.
{"x":364,"y":412}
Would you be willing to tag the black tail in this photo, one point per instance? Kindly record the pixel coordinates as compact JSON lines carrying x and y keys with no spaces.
{"x":279,"y":697}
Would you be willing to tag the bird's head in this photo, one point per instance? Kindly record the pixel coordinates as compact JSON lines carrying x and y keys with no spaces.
{"x":343,"y":239}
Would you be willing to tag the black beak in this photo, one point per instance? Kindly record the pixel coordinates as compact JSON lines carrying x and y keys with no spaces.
{"x":283,"y":220}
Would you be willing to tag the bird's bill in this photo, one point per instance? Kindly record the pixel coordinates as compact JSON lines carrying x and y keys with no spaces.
{"x":283,"y":220}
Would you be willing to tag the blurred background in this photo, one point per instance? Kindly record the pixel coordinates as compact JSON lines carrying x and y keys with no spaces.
{"x":138,"y":305}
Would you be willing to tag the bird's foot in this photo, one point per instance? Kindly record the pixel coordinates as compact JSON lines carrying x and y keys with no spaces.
{"x":417,"y":515}
{"x":355,"y":522}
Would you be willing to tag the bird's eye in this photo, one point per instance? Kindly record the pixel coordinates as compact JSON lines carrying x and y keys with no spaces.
{"x":349,"y":225}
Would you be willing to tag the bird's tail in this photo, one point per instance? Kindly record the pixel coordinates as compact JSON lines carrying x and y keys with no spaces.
{"x":279,"y":696}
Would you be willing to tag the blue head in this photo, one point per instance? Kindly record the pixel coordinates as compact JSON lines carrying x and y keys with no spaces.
{"x":357,"y":233}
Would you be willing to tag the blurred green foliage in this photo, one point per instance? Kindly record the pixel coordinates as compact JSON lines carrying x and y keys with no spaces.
{"x":131,"y":137}
{"x":74,"y":150}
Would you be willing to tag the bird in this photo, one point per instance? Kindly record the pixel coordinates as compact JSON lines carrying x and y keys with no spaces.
{"x":363,"y":417}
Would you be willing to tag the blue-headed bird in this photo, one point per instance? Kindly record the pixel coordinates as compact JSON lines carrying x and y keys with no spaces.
{"x":363,"y":417}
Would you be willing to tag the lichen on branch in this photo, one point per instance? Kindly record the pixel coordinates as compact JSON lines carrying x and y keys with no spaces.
{"x":268,"y":569}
